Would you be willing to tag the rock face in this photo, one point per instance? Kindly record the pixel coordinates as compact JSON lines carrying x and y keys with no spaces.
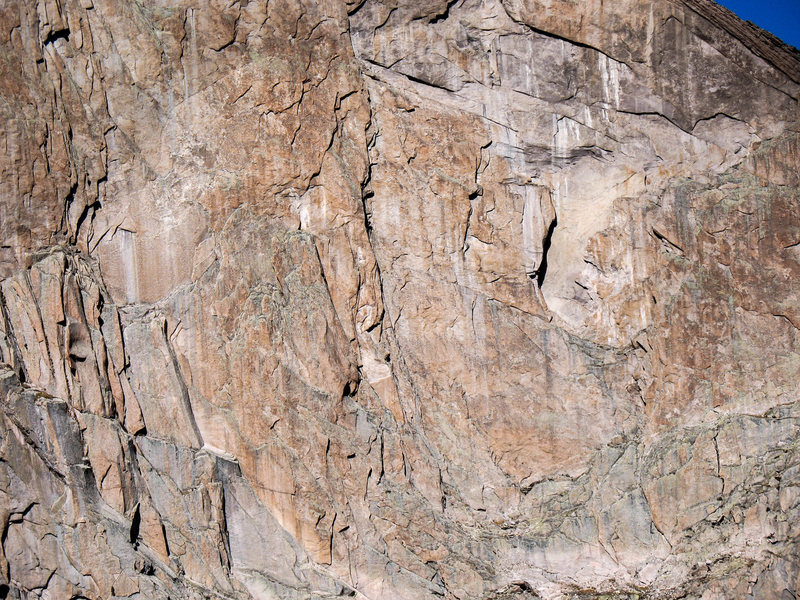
{"x":386,"y":299}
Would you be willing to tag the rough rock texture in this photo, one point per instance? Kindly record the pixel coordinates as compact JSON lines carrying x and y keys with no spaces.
{"x":390,"y":299}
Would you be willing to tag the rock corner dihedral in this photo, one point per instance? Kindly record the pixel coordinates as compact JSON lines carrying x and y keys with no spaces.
{"x":383,"y":299}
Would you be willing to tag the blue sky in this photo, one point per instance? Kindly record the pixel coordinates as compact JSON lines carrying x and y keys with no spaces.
{"x":779,"y":17}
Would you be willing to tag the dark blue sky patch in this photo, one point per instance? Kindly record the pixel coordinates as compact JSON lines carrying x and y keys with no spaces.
{"x":779,"y":17}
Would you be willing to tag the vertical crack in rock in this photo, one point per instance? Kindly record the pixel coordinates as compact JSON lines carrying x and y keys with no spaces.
{"x":541,"y":271}
{"x":186,"y":402}
{"x":538,"y":225}
{"x":135,"y":523}
{"x":15,"y":355}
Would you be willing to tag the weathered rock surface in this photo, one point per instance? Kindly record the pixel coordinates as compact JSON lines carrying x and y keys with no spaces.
{"x":382,"y":299}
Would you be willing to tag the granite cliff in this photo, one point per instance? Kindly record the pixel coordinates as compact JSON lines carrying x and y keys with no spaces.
{"x":386,"y":299}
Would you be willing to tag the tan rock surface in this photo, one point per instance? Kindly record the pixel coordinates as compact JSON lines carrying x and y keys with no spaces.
{"x":467,"y":299}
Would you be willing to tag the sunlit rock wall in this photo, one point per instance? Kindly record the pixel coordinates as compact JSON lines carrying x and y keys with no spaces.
{"x":398,"y":300}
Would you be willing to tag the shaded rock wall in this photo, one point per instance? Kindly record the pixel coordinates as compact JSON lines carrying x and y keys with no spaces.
{"x":380,"y":299}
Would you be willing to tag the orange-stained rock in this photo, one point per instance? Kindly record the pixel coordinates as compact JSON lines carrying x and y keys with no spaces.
{"x":470,"y":299}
